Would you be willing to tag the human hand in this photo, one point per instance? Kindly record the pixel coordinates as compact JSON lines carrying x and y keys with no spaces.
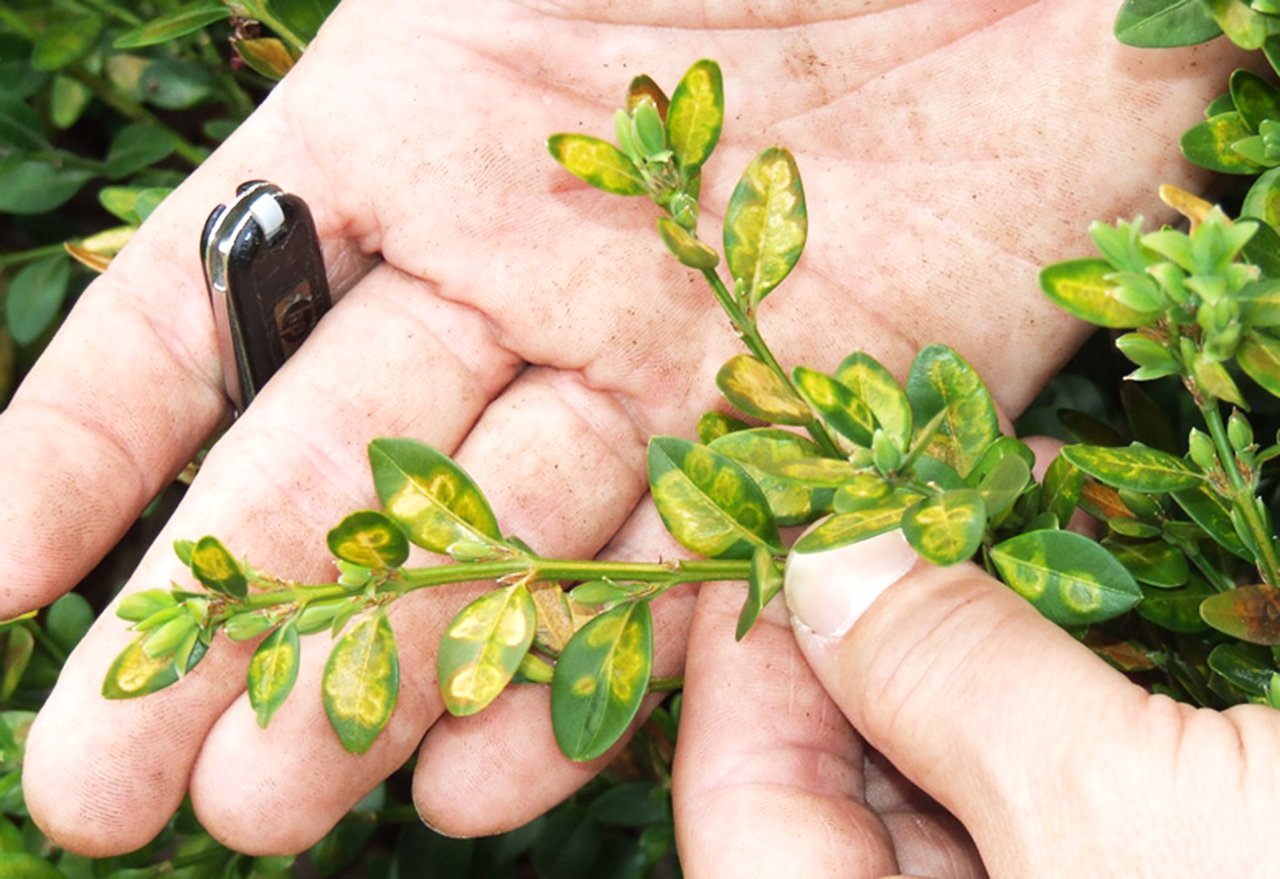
{"x":536,"y":339}
{"x":1001,"y":744}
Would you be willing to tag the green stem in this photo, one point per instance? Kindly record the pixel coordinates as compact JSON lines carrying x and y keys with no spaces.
{"x":22,"y":256}
{"x":130,"y":108}
{"x":241,"y":103}
{"x":665,"y":685}
{"x":666,"y":574}
{"x":42,"y":638}
{"x":1242,"y":497}
{"x":755,"y":343}
{"x":1217,"y":579}
{"x":260,"y":12}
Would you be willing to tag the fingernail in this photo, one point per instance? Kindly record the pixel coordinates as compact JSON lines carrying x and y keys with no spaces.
{"x":828,"y":591}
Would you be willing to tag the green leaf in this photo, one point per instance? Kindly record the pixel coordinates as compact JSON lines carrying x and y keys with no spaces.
{"x":685,"y":247}
{"x":860,"y":492}
{"x":1177,"y":610}
{"x":596,"y":162}
{"x":762,"y":452}
{"x":173,"y":84}
{"x":696,"y":114}
{"x":1246,"y":666}
{"x":1208,"y":511}
{"x":370,"y":539}
{"x":601,"y":679}
{"x":67,"y":620}
{"x":1250,"y":613}
{"x":1209,"y":145}
{"x":483,"y":647}
{"x":134,"y":673}
{"x":839,"y":407}
{"x":1060,"y":492}
{"x":19,"y":647}
{"x":35,"y":298}
{"x":846,"y":528}
{"x":1082,"y":287}
{"x":1255,"y":98}
{"x":65,"y":42}
{"x":713,"y":425}
{"x":1134,"y":467}
{"x":1259,"y":356}
{"x":20,"y":865}
{"x":941,"y":381}
{"x":1152,"y":24}
{"x":178,"y":23}
{"x":876,"y":386}
{"x":1066,"y":576}
{"x":68,"y":99}
{"x":362,"y":681}
{"x":20,"y":125}
{"x":303,"y":17}
{"x":272,"y":672}
{"x":1244,"y":27}
{"x":760,"y":392}
{"x":1004,"y":484}
{"x":31,"y":186}
{"x":1153,"y":562}
{"x":136,"y":147}
{"x":707,"y":501}
{"x":764,"y":582}
{"x":766,"y":224}
{"x":217,"y":569}
{"x":1260,"y":303}
{"x":138,"y":606}
{"x":947,"y":528}
{"x":430,"y":497}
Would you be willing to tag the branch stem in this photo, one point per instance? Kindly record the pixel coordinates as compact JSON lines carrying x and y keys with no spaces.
{"x":1242,"y":496}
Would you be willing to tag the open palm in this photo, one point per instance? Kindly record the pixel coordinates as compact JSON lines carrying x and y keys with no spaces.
{"x":534,"y":329}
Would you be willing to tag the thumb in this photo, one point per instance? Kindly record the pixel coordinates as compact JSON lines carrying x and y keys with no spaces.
{"x":987,"y":706}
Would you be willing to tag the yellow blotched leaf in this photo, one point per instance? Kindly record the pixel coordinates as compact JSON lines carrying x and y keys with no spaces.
{"x":361,"y":682}
{"x":766,"y":224}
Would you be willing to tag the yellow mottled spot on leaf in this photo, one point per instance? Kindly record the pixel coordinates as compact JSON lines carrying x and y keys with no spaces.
{"x":584,"y":686}
{"x":512,"y":628}
{"x":1080,"y":596}
{"x":476,"y":683}
{"x":138,"y":671}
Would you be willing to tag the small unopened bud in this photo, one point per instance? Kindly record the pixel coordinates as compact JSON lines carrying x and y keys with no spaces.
{"x":886,"y":454}
{"x":1202,"y":450}
{"x":1239,"y":431}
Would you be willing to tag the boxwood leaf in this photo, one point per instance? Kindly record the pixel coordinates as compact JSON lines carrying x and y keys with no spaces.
{"x":1135,"y":467}
{"x":272,"y":672}
{"x":685,"y":247}
{"x":1177,"y":610}
{"x":19,"y":647}
{"x":362,"y":681}
{"x":762,"y":452}
{"x":136,"y":147}
{"x":35,"y":297}
{"x":1259,"y":356}
{"x":1250,"y":613}
{"x":596,"y":162}
{"x":643,"y":88}
{"x":266,"y":56}
{"x":845,"y":528}
{"x":600,"y":680}
{"x":764,"y":582}
{"x":941,"y":381}
{"x":839,"y":407}
{"x":1209,"y":144}
{"x":946,"y":528}
{"x":370,"y":539}
{"x":766,"y":223}
{"x":884,"y":396}
{"x":1246,"y":666}
{"x":1003,"y":484}
{"x":1152,"y":24}
{"x":33,"y":186}
{"x":1242,"y":25}
{"x":758,"y":391}
{"x":217,"y":569}
{"x":134,"y":673}
{"x":1255,"y":98}
{"x":861,"y":492}
{"x":1082,"y":287}
{"x":21,"y":865}
{"x":1208,"y":511}
{"x":178,"y":23}
{"x":483,"y":647}
{"x":1153,"y":562}
{"x":713,"y":425}
{"x":707,"y":501}
{"x":1068,"y":577}
{"x":429,"y":496}
{"x":696,"y":114}
{"x":20,"y":125}
{"x":66,"y":41}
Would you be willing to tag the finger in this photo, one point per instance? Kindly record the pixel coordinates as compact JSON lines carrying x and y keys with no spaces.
{"x":130,"y":387}
{"x":103,"y":776}
{"x":963,"y":686}
{"x":768,"y":776}
{"x":502,"y":768}
{"x":926,"y":840}
{"x":562,"y":465}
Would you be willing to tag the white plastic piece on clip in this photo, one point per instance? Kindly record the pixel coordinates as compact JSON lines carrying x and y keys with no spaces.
{"x":266,"y":210}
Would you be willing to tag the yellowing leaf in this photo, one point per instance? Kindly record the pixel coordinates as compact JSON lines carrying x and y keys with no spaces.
{"x":758,"y":391}
{"x":696,"y":114}
{"x":1068,"y":577}
{"x":766,"y":224}
{"x":483,"y":647}
{"x":134,"y":673}
{"x":272,"y":672}
{"x":361,"y":682}
{"x":596,"y":162}
{"x":370,"y":539}
{"x":1082,"y":288}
